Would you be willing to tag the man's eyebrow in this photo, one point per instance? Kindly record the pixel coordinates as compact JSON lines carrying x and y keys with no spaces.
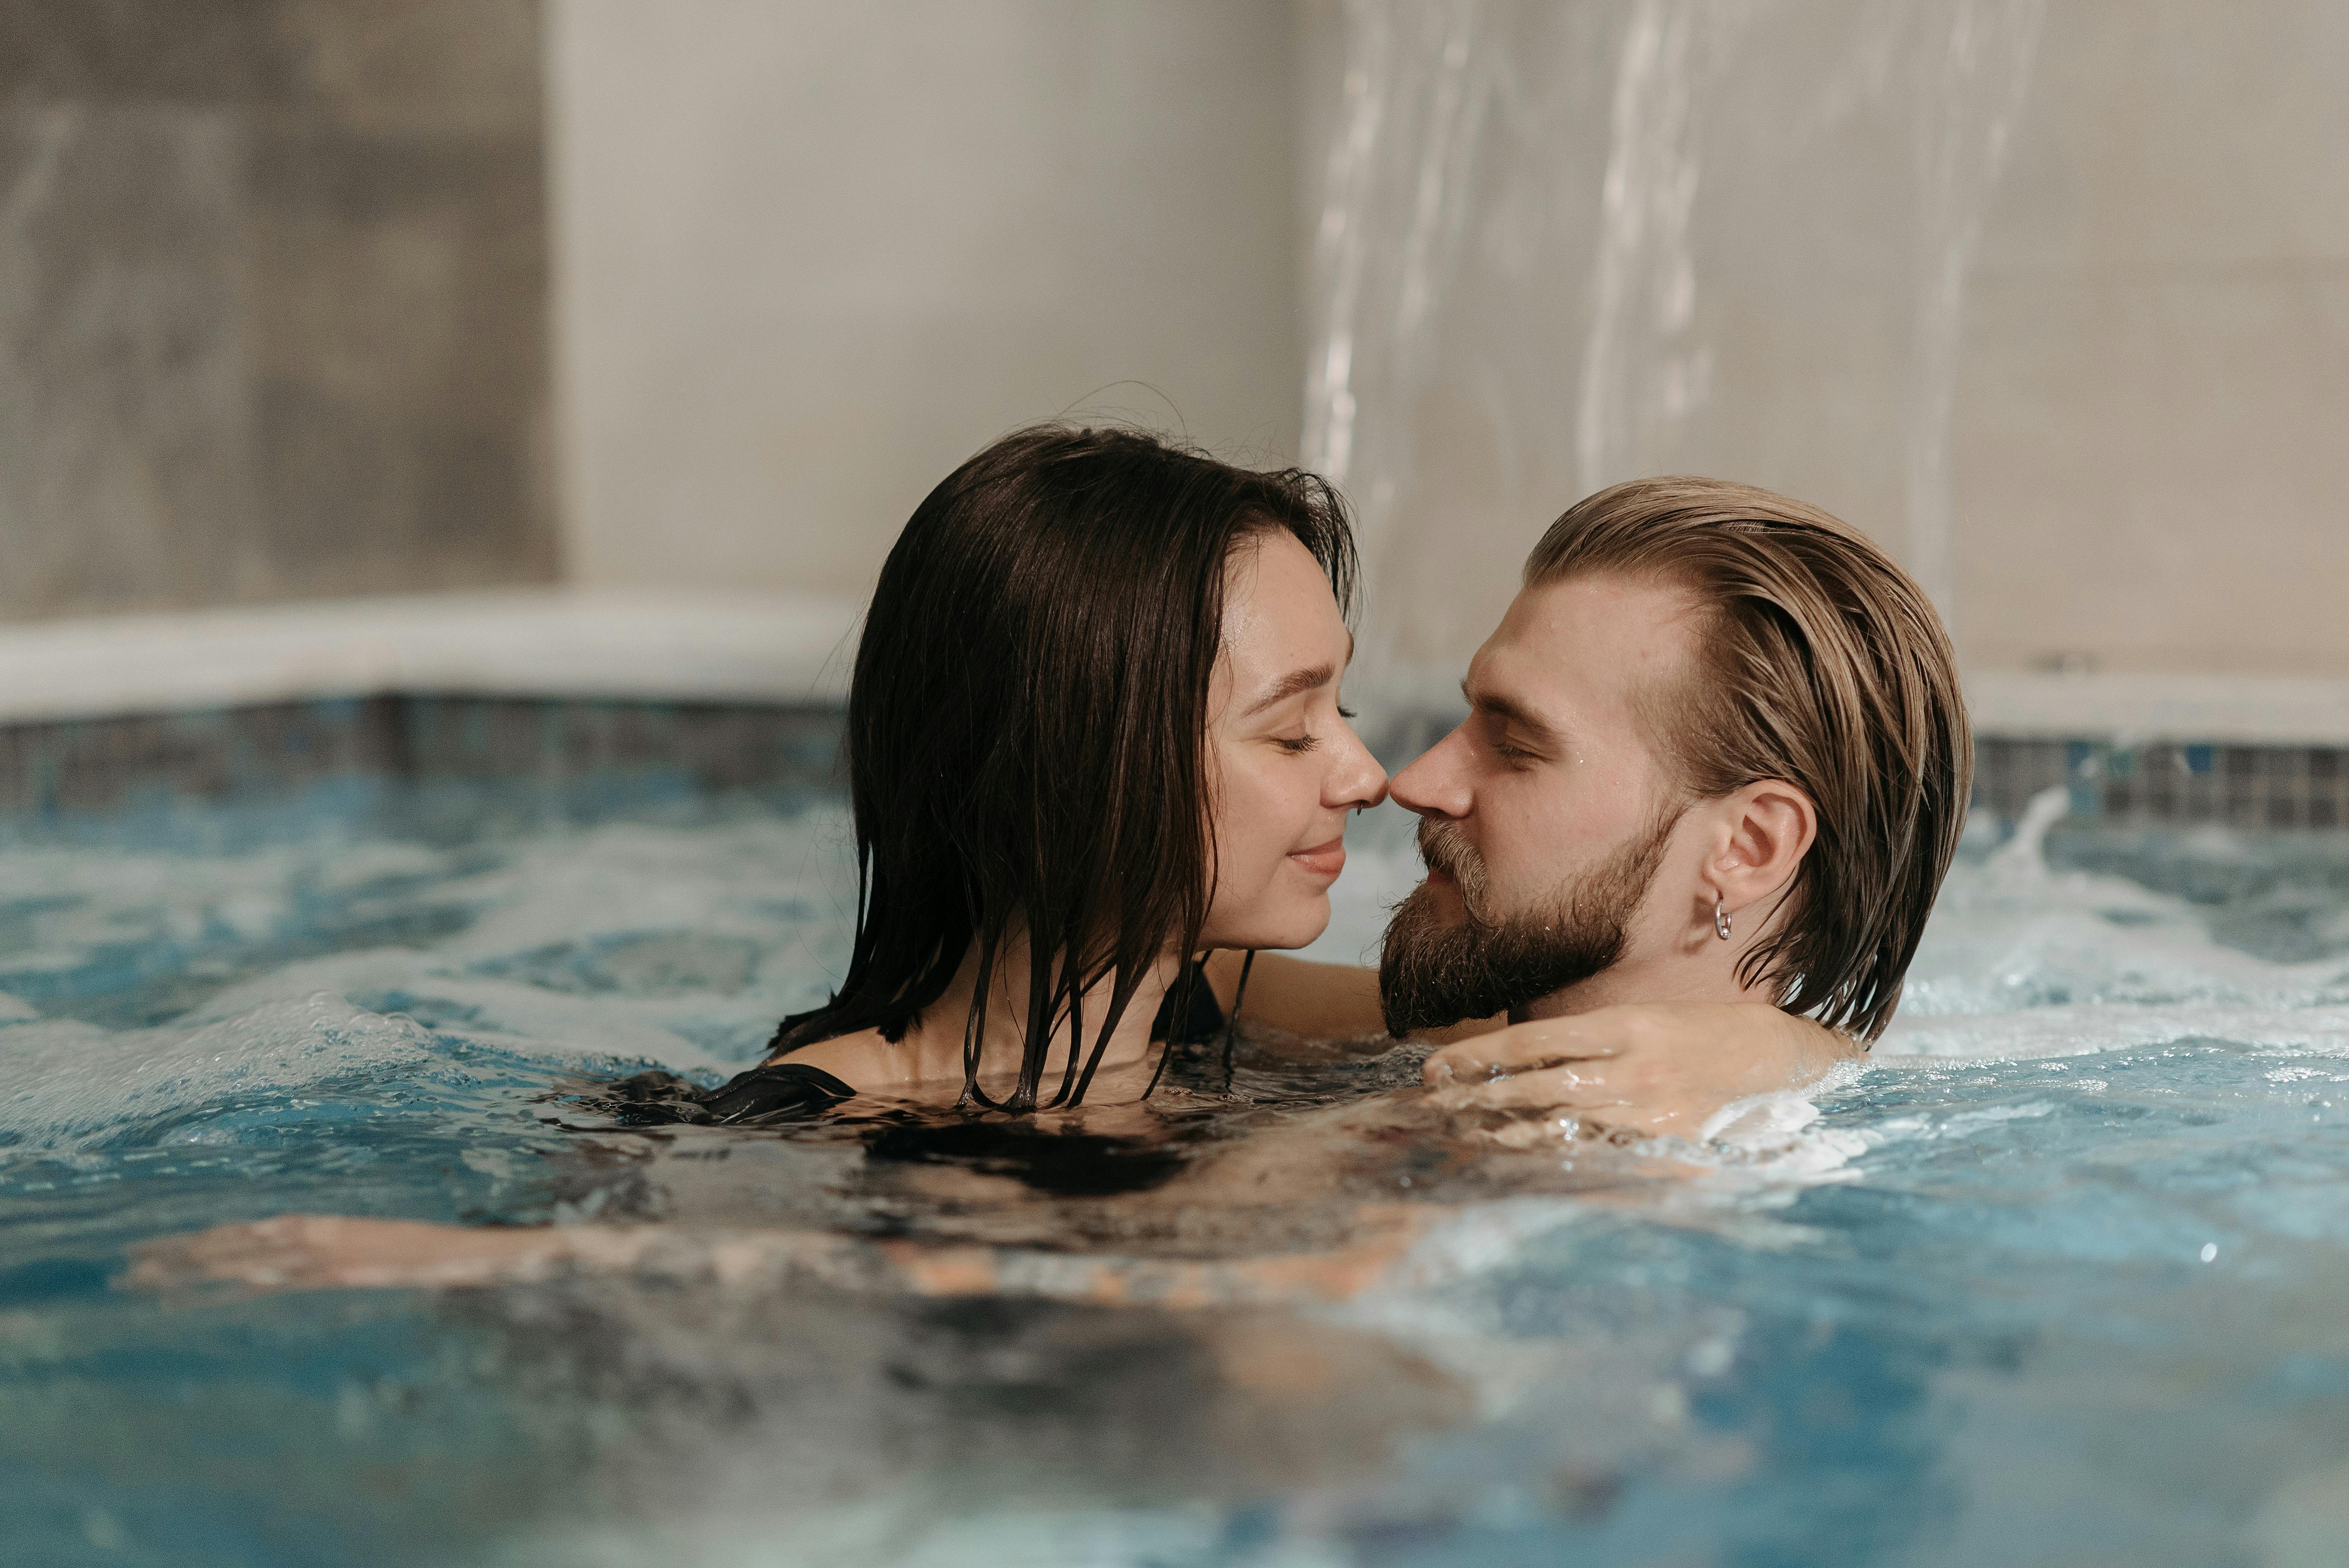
{"x":1537,"y":729}
{"x":1291,"y":684}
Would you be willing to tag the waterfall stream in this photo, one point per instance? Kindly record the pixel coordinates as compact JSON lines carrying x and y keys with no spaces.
{"x":1561,"y":246}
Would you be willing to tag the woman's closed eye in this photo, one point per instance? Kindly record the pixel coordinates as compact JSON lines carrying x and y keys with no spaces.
{"x":1298,"y":743}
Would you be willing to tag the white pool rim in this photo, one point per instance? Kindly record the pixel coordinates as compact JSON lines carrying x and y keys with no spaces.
{"x":545,"y":643}
{"x":796,"y":649}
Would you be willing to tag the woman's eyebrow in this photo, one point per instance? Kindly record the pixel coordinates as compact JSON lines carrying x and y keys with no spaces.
{"x":1289,"y":686}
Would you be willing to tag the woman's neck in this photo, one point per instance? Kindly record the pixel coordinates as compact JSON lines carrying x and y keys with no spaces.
{"x":932,"y":1050}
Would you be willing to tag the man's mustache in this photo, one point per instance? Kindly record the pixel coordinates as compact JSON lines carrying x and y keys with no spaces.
{"x":1442,"y":847}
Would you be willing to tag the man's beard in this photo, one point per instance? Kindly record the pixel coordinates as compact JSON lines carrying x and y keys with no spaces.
{"x":1434,"y":972}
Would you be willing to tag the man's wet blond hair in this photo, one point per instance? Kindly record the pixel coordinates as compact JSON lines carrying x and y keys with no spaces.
{"x":1819,"y":663}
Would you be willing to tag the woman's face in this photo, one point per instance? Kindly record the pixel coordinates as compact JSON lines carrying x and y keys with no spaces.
{"x":1285,"y":766}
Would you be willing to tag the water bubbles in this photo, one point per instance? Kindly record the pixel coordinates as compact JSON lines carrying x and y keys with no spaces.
{"x":1819,"y":1273}
{"x":1709,"y":1359}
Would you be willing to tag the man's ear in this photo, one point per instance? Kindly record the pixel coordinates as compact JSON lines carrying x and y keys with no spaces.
{"x":1768,"y":827}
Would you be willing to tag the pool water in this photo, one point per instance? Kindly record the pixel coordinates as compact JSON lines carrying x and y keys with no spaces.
{"x":2059,"y":1278}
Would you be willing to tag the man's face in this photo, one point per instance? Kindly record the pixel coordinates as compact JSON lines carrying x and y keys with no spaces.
{"x":1546,"y":815}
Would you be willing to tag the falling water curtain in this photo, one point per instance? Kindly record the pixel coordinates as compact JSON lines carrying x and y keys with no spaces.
{"x":1559,"y":246}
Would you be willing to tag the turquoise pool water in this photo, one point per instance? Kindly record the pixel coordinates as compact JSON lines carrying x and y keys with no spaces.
{"x":2058,"y":1278}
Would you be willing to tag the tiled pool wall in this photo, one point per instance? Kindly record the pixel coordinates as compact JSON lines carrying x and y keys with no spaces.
{"x":2236,"y":786}
{"x":75,"y":765}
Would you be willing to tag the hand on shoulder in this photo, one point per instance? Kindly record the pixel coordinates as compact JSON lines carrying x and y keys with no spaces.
{"x":1655,"y":1067}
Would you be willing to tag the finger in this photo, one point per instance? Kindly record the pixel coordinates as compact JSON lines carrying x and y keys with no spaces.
{"x":1533,"y":1131}
{"x":1522,"y":1047}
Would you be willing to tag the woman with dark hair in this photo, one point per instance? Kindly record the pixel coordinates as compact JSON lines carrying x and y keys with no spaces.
{"x":1093,"y":732}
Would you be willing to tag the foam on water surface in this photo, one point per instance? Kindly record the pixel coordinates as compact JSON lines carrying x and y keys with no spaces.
{"x":2061,"y":1263}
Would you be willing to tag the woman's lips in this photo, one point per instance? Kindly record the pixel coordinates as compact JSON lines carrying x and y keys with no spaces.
{"x":1322,"y":860}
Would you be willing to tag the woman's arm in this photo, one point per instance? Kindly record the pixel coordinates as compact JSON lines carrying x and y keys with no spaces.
{"x":1659,"y":1066}
{"x":319,"y":1251}
{"x":1316,"y":1001}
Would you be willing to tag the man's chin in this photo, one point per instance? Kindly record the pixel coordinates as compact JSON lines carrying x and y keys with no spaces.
{"x":1426,"y":961}
{"x":1440,"y":901}
{"x":1437,"y":967}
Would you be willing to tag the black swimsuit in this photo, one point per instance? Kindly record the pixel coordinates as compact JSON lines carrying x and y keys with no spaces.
{"x":794,"y":1091}
{"x":778,"y":1091}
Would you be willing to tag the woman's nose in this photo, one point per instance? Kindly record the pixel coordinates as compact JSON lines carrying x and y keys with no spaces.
{"x":1358,"y":782}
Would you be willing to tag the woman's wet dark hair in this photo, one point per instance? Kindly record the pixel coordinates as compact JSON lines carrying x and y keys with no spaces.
{"x":1027,"y":730}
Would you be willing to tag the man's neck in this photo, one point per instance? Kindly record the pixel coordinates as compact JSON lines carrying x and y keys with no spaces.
{"x":1644,"y":983}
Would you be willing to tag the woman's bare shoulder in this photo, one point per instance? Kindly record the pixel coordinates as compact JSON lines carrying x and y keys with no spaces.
{"x":866,"y":1061}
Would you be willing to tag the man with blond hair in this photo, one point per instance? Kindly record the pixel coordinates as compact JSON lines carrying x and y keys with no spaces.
{"x":1715,"y":753}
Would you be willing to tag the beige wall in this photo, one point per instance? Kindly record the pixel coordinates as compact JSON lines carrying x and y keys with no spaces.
{"x":2151,"y":452}
{"x":811,"y":255}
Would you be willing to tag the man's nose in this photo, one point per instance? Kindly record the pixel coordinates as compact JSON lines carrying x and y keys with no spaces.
{"x":1435,"y":785}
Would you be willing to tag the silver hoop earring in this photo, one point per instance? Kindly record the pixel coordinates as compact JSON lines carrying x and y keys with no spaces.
{"x":1720,"y":919}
